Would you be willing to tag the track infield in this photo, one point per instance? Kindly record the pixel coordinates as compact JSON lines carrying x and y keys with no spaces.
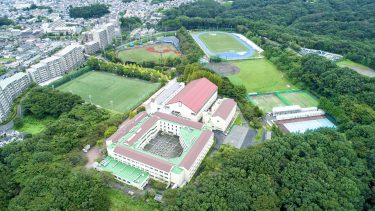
{"x":149,"y":53}
{"x":221,"y":42}
{"x":110,"y":91}
{"x":260,"y":75}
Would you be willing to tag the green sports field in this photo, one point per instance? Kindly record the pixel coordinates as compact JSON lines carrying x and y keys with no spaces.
{"x":303,"y":99}
{"x":148,"y":53}
{"x":218,"y":42}
{"x":110,"y":91}
{"x":260,"y":75}
{"x":266,"y":102}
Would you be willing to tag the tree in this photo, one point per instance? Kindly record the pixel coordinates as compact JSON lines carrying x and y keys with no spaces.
{"x":90,"y":11}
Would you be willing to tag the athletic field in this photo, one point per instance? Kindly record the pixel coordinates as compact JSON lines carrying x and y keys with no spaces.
{"x":303,"y":99}
{"x":260,"y":75}
{"x":270,"y":100}
{"x":222,"y":42}
{"x":266,"y":102}
{"x":110,"y":91}
{"x":149,"y":53}
{"x":227,"y":46}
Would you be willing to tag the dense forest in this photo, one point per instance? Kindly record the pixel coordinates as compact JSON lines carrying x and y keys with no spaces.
{"x":44,"y":172}
{"x":327,"y":169}
{"x":90,"y":11}
{"x":320,"y":170}
{"x":341,"y":26}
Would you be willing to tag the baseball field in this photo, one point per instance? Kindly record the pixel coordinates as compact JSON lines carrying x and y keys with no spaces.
{"x":149,"y":53}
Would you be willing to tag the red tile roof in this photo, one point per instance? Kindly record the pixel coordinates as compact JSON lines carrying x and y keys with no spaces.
{"x":156,"y":117}
{"x":143,"y":130}
{"x":225,"y":108}
{"x":126,"y":126}
{"x":179,"y":120}
{"x":195,"y":94}
{"x":196,"y":149}
{"x":143,"y":158}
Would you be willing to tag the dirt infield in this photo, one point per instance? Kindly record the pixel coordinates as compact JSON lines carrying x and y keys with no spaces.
{"x":161,"y":49}
{"x":224,"y":69}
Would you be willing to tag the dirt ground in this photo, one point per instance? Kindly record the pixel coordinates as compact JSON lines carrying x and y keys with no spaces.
{"x":92,"y":155}
{"x":224,"y":69}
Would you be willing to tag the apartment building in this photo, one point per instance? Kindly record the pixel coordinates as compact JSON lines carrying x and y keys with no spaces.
{"x":64,"y":61}
{"x":10,"y":89}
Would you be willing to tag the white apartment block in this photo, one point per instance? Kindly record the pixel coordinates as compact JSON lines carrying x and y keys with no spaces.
{"x":100,"y":36}
{"x":92,"y":47}
{"x":10,"y":89}
{"x":64,"y":61}
{"x":111,"y":34}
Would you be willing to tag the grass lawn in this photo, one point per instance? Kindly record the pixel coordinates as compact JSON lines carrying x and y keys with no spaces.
{"x":359,"y":68}
{"x":142,"y":54}
{"x":110,"y":91}
{"x":238,"y":120}
{"x":303,"y":99}
{"x":7,"y":59}
{"x":218,"y":42}
{"x":267,"y":102}
{"x":33,"y":125}
{"x":120,"y":201}
{"x":260,"y":75}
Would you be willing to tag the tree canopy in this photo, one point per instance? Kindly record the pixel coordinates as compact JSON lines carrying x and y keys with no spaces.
{"x":90,"y":11}
{"x":341,"y":26}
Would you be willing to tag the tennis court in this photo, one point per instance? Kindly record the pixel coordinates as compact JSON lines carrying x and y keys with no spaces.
{"x":266,"y":102}
{"x":300,"y":98}
{"x":303,"y":126}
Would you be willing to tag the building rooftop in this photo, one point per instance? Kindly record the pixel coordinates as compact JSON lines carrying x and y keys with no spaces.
{"x":130,"y":173}
{"x":225,"y":108}
{"x":4,"y":83}
{"x":67,"y":49}
{"x":127,"y":140}
{"x":144,"y":158}
{"x":195,"y":94}
{"x":196,"y":149}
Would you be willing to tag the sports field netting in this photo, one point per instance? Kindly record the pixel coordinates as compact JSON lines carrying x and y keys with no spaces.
{"x":110,"y":91}
{"x":303,"y":126}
